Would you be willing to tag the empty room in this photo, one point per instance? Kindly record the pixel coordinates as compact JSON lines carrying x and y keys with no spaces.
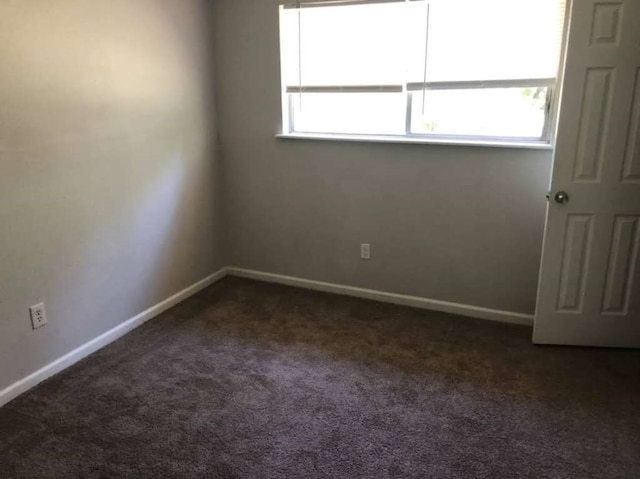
{"x":327,"y":239}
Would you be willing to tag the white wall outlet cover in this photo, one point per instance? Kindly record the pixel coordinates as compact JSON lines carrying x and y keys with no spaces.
{"x":38,"y":315}
{"x":365,"y":250}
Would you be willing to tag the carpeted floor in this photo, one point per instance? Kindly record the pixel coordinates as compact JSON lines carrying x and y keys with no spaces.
{"x":258,"y":381}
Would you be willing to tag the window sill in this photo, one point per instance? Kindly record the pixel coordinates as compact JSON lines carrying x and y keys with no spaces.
{"x":414,"y":140}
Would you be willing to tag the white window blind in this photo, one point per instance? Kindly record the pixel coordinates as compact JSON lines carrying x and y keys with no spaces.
{"x":493,"y":39}
{"x":365,"y":44}
{"x":438,"y":67}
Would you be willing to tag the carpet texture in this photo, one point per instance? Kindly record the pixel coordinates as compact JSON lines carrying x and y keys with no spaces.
{"x":256,"y":381}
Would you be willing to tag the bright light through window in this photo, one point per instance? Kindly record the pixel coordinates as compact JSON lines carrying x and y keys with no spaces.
{"x":481,"y":112}
{"x":440,"y":68}
{"x":350,"y":113}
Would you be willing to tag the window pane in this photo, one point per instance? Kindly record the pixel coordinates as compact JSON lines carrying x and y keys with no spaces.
{"x":364,"y":113}
{"x":496,"y":112}
{"x":370,"y":44}
{"x":494,"y":39}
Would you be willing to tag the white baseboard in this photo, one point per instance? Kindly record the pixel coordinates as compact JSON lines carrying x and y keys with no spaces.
{"x":402,"y":299}
{"x":26,"y":383}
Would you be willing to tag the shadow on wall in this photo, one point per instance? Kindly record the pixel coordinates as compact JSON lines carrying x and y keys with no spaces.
{"x":109,"y":182}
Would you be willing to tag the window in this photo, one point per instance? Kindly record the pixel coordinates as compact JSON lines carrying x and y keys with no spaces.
{"x":460,"y":69}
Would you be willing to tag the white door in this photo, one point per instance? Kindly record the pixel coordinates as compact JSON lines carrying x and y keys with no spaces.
{"x":589,"y":290}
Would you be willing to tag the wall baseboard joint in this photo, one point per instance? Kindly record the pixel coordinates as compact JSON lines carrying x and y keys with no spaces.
{"x":23,"y":385}
{"x":69,"y":359}
{"x":395,"y":298}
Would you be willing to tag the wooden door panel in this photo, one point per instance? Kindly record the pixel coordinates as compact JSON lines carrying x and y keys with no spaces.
{"x":607,"y":19}
{"x":589,"y":289}
{"x":631,"y":167}
{"x":575,"y":263}
{"x":621,"y":271}
{"x":595,"y":117}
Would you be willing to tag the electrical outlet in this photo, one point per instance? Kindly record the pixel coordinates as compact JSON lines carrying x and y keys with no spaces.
{"x":365,"y":250}
{"x":38,"y":315}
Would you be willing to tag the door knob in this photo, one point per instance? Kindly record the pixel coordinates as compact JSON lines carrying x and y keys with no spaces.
{"x":561,"y":197}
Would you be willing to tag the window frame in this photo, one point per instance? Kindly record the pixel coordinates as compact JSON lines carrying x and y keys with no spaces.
{"x":409,"y":88}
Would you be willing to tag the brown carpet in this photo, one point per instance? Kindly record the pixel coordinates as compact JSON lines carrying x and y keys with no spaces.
{"x":256,"y":381}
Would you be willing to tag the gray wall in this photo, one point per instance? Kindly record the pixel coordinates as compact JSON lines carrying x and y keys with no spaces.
{"x":109,"y":182}
{"x":450,"y":223}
